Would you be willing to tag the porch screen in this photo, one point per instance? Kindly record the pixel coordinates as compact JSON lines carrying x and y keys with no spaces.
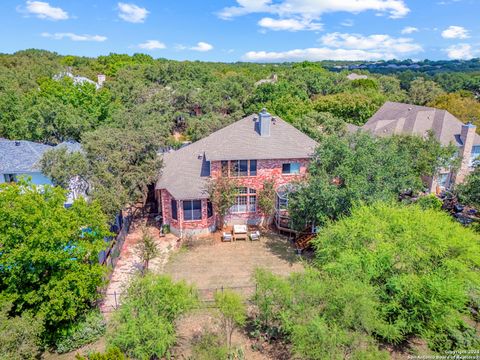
{"x":192,"y":210}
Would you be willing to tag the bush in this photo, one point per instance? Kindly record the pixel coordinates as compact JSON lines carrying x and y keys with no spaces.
{"x":430,"y":202}
{"x":19,"y":336}
{"x":86,"y":331}
{"x":143,"y":326}
{"x":113,"y":353}
{"x":209,"y":346}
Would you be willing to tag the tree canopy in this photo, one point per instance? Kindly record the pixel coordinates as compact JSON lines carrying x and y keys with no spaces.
{"x":350,"y":169}
{"x":49,"y":254}
{"x":381,"y":276}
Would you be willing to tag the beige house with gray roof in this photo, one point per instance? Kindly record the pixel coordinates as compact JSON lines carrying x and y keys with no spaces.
{"x":398,"y":118}
{"x":252,"y":150}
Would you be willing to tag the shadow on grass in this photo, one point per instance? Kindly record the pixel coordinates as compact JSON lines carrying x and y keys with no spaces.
{"x":282,"y":247}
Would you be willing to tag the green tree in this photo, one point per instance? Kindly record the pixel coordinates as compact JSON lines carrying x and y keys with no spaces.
{"x":463,"y":106}
{"x":423,"y":91}
{"x":222,"y":192}
{"x":147,"y":249}
{"x":469,"y":191}
{"x":233,"y":312}
{"x":49,"y":259}
{"x":360,"y":168}
{"x":266,"y":200}
{"x":143,"y":326}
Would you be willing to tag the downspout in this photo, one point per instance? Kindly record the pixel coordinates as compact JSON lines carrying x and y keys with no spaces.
{"x":180,"y":217}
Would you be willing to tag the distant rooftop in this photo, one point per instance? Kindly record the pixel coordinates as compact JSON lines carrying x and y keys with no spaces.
{"x":398,"y":118}
{"x":22,"y":156}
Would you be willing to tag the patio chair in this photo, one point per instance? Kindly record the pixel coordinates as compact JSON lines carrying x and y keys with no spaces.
{"x":226,"y":236}
{"x":254,"y":235}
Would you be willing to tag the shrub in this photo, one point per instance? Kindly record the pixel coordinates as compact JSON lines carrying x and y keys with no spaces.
{"x":430,"y":202}
{"x":143,"y":326}
{"x":232,"y":312}
{"x":19,"y":336}
{"x":86,"y":331}
{"x":112,"y":353}
{"x":209,"y":346}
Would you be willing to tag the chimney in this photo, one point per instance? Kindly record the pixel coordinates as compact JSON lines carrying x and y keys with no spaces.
{"x":467,"y":136}
{"x":264,"y":123}
{"x":101,"y":79}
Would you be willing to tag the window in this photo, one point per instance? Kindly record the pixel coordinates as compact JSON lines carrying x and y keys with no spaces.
{"x":253,"y":167}
{"x":475,"y":156}
{"x":192,"y":210}
{"x":246,"y":201}
{"x":240,"y":168}
{"x":209,"y":209}
{"x":10,"y":177}
{"x":291,"y":168}
{"x":173,"y":204}
{"x":443,"y":180}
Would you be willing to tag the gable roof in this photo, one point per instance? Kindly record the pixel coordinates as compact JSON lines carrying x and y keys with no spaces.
{"x":182,"y":169}
{"x":22,"y":156}
{"x":398,"y":118}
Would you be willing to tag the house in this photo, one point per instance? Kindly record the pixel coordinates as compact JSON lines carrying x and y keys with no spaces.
{"x":355,"y":76}
{"x":80,"y":80}
{"x":398,"y":118}
{"x":21,"y":158}
{"x":251,"y":150}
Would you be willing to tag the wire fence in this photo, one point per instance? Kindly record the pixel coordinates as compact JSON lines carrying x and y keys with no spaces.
{"x":206,"y":296}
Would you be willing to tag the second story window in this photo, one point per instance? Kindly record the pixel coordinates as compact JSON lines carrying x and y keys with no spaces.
{"x":291,"y":168}
{"x":240,"y":168}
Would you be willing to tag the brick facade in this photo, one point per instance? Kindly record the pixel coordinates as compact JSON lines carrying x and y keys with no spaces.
{"x":266,"y":170}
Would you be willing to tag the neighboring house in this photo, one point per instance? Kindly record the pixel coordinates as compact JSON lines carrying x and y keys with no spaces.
{"x":397,"y":118}
{"x":355,"y":76}
{"x":80,"y":80}
{"x":21,"y":158}
{"x":251,"y":150}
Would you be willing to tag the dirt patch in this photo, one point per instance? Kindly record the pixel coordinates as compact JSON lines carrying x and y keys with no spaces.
{"x":194,"y":324}
{"x":97,"y":346}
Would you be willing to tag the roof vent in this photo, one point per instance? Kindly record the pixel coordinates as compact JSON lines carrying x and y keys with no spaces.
{"x":264,"y":120}
{"x":17,"y":143}
{"x":409,"y":108}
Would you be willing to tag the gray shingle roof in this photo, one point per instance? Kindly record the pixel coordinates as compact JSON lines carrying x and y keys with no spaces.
{"x":18,"y":156}
{"x":21,"y":156}
{"x":182,"y":169}
{"x":398,"y":118}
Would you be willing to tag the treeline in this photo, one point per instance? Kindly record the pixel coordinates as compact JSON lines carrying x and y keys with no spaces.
{"x":192,"y":99}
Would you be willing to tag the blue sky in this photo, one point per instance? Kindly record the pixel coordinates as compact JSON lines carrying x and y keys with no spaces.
{"x":246,"y":30}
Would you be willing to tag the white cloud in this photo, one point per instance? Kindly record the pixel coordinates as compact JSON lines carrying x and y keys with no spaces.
{"x":339,"y":46}
{"x":152,"y":45}
{"x":313,"y":9}
{"x":460,"y":51}
{"x":74,"y":37}
{"x":288,"y":24}
{"x":455,"y":32}
{"x":409,"y":30}
{"x":380,"y":43}
{"x":347,"y":23}
{"x":132,"y":13}
{"x":312,"y":54}
{"x":43,"y":10}
{"x":202,"y":46}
